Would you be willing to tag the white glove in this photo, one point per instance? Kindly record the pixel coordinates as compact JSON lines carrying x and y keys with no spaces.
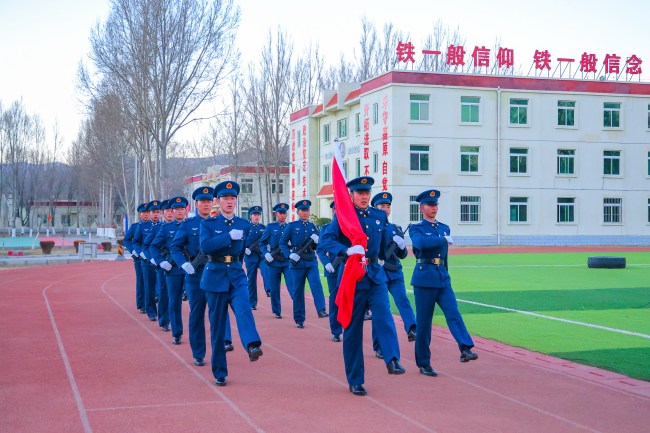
{"x":450,"y":240}
{"x":134,"y":254}
{"x":153,"y":262}
{"x":295,"y":257}
{"x":247,"y":251}
{"x":143,"y":256}
{"x":314,"y":236}
{"x":187,"y":267}
{"x":400,"y":242}
{"x":166,"y":265}
{"x":356,"y":249}
{"x":236,"y":234}
{"x":268,"y":257}
{"x":329,"y":268}
{"x":381,"y":262}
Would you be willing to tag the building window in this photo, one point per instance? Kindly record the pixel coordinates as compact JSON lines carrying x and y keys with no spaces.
{"x":65,"y":220}
{"x":375,"y":162}
{"x":566,"y":113}
{"x":648,"y":116}
{"x":566,"y":161}
{"x":357,"y":123}
{"x":565,"y":210}
{"x":375,"y":113}
{"x":279,"y":189}
{"x":244,"y":212}
{"x":247,"y":186}
{"x":326,"y":133}
{"x":419,"y":157}
{"x":518,"y":209}
{"x":358,"y":164}
{"x":415,"y":214}
{"x":469,"y":159}
{"x":298,"y":139}
{"x":612,"y":115}
{"x":298,"y":177}
{"x":90,"y":219}
{"x":649,"y":210}
{"x":648,"y":163}
{"x":518,"y":160}
{"x":469,"y":106}
{"x":612,"y":210}
{"x":342,"y":128}
{"x":612,"y":162}
{"x":519,"y":111}
{"x":470,"y":209}
{"x":419,"y":108}
{"x":326,"y":173}
{"x":345,"y":169}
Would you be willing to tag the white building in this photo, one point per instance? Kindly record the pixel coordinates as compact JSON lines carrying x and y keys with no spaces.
{"x":254,"y":188}
{"x":518,"y":160}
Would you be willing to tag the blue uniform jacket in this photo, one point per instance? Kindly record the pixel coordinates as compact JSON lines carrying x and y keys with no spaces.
{"x":294,"y":237}
{"x":186,"y":241}
{"x":163,"y":241}
{"x":373,"y":222}
{"x":255,"y":232}
{"x":128,"y":237}
{"x":140,"y":235}
{"x":149,"y":239}
{"x":271,"y":240}
{"x":214,"y":237}
{"x":394,"y":260}
{"x":429,"y":243}
{"x":323,"y":255}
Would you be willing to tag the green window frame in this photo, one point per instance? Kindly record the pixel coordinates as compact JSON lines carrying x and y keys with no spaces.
{"x":469,"y":159}
{"x":518,"y":111}
{"x":469,"y":109}
{"x":419,"y":157}
{"x":612,"y":115}
{"x":518,"y":209}
{"x":419,"y":108}
{"x":566,"y":161}
{"x":518,"y":160}
{"x":566,"y":209}
{"x":612,"y":210}
{"x":566,"y":113}
{"x":470,"y":209}
{"x":612,"y":162}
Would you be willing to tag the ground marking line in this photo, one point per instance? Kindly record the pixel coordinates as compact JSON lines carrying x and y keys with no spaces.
{"x":191,"y":368}
{"x":374,"y":400}
{"x":638,"y":265}
{"x":66,"y":362}
{"x":149,"y":406}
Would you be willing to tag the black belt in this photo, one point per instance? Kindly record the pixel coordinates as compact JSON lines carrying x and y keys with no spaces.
{"x":372,"y":260}
{"x":436,"y":261}
{"x":224,"y":259}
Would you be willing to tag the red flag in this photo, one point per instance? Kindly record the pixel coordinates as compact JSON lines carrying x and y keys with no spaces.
{"x":351,"y":229}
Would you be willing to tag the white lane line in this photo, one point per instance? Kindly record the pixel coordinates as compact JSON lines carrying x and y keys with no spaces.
{"x":191,"y":368}
{"x":150,"y":406}
{"x":66,"y":362}
{"x":634,"y":265}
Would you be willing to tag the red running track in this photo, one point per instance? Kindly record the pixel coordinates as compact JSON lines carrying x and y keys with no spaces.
{"x":76,"y":356}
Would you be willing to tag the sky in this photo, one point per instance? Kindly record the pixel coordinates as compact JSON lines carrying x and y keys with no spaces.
{"x":43,"y":41}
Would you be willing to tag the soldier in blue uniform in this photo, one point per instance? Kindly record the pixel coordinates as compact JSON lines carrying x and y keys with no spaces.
{"x":278,"y":265}
{"x":186,"y":252}
{"x":224,"y":280}
{"x":394,"y":251}
{"x":160,"y":249}
{"x":161,"y":283}
{"x":298,"y":244}
{"x":253,"y":254}
{"x":332,"y":267}
{"x":432,"y":284}
{"x":148,"y":270}
{"x":371,"y":291}
{"x":128,"y":243}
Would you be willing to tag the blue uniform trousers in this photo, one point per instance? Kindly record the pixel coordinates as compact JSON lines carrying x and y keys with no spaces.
{"x":237,"y":298}
{"x":149,"y":284}
{"x":139,"y":285}
{"x":398,"y":292}
{"x":175,"y":299}
{"x":198,"y":303}
{"x":252,"y":265}
{"x":332,"y":285}
{"x":425,"y":302}
{"x":299,"y":276}
{"x":163,"y":298}
{"x":375,"y":297}
{"x":275,"y":280}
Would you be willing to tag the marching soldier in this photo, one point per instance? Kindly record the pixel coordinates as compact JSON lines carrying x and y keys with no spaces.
{"x":298,"y":244}
{"x":277,"y":263}
{"x":332,"y":266}
{"x":224,"y":280}
{"x":161,"y":252}
{"x":371,"y":290}
{"x":186,"y":252}
{"x":148,"y":270}
{"x":432,"y":284}
{"x":161,"y":283}
{"x":253,"y":254}
{"x":395,"y":251}
{"x":128,"y":243}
